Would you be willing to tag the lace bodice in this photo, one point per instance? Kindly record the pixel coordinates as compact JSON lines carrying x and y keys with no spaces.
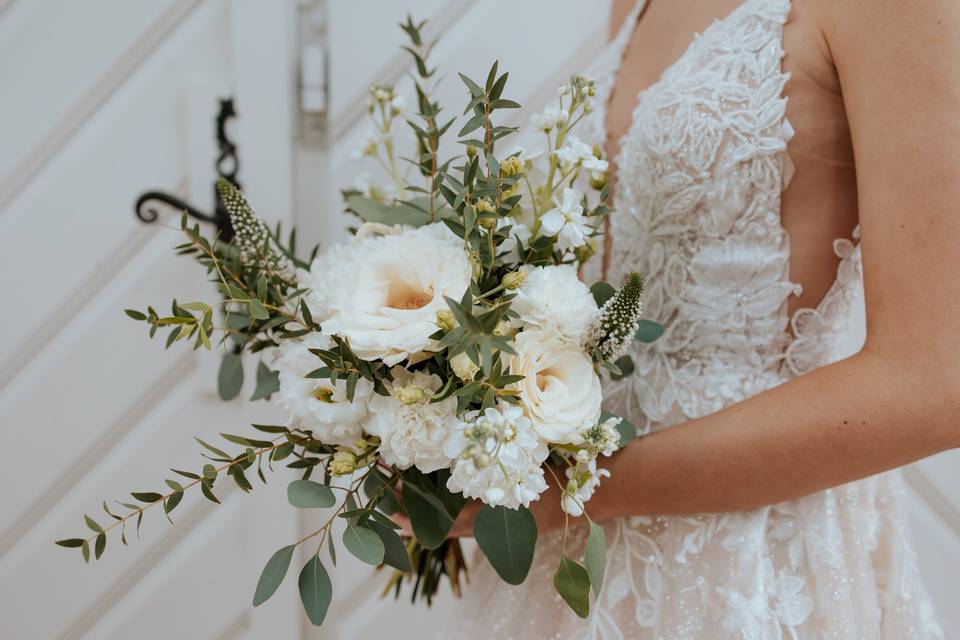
{"x":700,"y":176}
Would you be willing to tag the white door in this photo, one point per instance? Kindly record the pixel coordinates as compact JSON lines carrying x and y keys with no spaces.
{"x":102,"y":100}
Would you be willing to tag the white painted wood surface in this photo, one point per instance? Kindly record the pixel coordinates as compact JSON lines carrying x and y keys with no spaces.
{"x":106,"y":98}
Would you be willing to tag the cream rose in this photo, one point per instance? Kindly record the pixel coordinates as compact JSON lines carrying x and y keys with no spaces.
{"x":560,"y":391}
{"x":383,"y":293}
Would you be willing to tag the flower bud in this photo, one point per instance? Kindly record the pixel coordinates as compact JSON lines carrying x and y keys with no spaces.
{"x":411,"y":394}
{"x":503,"y":328}
{"x":445,"y":320}
{"x":583,"y":456}
{"x":323,"y":394}
{"x":485,"y":206}
{"x":511,"y":166}
{"x":563,"y":89}
{"x":463,"y":366}
{"x":514,"y":279}
{"x":344,"y":463}
{"x":471,"y":151}
{"x":599,"y":179}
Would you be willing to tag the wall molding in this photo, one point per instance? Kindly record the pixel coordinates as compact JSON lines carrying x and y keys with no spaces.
{"x":126,"y":66}
{"x":934,"y":498}
{"x":394,"y":69}
{"x":69,"y":477}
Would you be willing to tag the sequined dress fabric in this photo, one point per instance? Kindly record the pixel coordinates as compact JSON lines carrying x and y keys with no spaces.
{"x":700,"y":176}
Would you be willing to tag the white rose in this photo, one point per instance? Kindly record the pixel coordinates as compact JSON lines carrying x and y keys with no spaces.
{"x":560,"y":391}
{"x":383,"y":293}
{"x":318,"y":404}
{"x":555,"y":298}
{"x":412,"y":430}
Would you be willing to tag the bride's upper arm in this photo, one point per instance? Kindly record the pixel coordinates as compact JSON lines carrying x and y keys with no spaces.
{"x":898,"y":62}
{"x":619,"y":10}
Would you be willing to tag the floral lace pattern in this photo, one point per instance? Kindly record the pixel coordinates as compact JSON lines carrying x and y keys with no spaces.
{"x":700,"y":174}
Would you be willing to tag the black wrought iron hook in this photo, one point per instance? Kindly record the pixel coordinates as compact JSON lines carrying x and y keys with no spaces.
{"x":227,"y":165}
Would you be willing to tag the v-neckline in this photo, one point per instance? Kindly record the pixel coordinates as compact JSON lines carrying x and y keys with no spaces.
{"x":622,"y":41}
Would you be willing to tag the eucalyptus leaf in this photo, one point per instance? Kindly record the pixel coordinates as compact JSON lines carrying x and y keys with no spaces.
{"x":273,"y":574}
{"x":394,"y":551}
{"x":508,"y":538}
{"x":364,"y":544}
{"x":307,"y":494}
{"x":648,"y":330}
{"x":595,"y":556}
{"x":573,"y":584}
{"x":602,"y":291}
{"x":372,"y":211}
{"x":230,"y":379}
{"x":315,"y":590}
{"x":429,"y":518}
{"x":268,"y":383}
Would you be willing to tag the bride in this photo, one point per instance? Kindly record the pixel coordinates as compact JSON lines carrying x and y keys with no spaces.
{"x":759,"y":147}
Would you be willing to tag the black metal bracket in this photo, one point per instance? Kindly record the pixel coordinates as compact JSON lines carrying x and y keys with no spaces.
{"x":227,"y":166}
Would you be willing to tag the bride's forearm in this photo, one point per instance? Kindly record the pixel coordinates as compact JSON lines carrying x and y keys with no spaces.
{"x":840,"y":423}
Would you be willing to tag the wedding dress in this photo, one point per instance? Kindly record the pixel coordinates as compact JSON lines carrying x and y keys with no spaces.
{"x":700,"y":174}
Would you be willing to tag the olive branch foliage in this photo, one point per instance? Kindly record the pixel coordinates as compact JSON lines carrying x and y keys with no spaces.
{"x":261,"y":305}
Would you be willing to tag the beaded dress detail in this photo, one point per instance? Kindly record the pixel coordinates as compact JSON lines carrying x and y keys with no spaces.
{"x":700,"y":176}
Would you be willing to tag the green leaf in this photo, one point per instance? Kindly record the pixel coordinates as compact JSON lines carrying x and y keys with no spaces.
{"x":315,"y":590}
{"x":395,"y":552}
{"x":573,"y":584}
{"x":257,"y":310}
{"x":93,"y":524}
{"x":372,"y":211}
{"x":625,"y":368}
{"x":429,"y":518}
{"x":100,"y":545}
{"x":70,"y":543}
{"x":364,"y":544}
{"x":508,"y":538}
{"x":268,"y":383}
{"x":648,"y":330}
{"x":602,"y":291}
{"x":146,"y":496}
{"x":171,"y":503}
{"x":136,"y":315}
{"x":595,"y":556}
{"x":230,"y":380}
{"x":273,"y":574}
{"x":307,"y":494}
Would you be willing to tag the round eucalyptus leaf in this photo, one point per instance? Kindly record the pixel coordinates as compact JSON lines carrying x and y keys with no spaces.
{"x":230,"y":379}
{"x":364,"y":544}
{"x":508,"y":538}
{"x":307,"y":494}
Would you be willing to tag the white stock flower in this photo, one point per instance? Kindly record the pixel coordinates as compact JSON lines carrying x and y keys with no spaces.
{"x":560,"y":391}
{"x":577,"y":152}
{"x":318,"y":404}
{"x":567,"y":222}
{"x":551,"y":116}
{"x":582,"y":481}
{"x":412,"y":430}
{"x":553,"y":297}
{"x":498,"y":457}
{"x":383,"y":293}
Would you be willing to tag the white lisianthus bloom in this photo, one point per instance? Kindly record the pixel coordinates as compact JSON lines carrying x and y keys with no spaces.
{"x":582,"y":481}
{"x":553,"y":297}
{"x":498,"y":457}
{"x":560,"y":391}
{"x":412,"y":430}
{"x":567,"y":222}
{"x":318,"y":404}
{"x":383,"y":293}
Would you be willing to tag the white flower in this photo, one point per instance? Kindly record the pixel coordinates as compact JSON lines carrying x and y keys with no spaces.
{"x":463,"y":366}
{"x":582,"y":481}
{"x":318,"y":404}
{"x":411,"y":429}
{"x":366,"y":185}
{"x":577,"y":152}
{"x":398,"y":104}
{"x":551,"y":117}
{"x":567,"y":222}
{"x":497,"y":456}
{"x":553,"y":297}
{"x":368,"y":145}
{"x":560,"y":391}
{"x":383,"y":293}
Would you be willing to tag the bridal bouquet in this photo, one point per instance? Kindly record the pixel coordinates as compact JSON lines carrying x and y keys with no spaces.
{"x":447,"y":352}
